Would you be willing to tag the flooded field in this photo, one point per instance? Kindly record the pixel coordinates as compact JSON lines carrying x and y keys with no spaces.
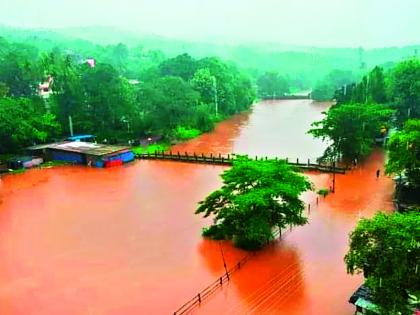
{"x":75,"y":240}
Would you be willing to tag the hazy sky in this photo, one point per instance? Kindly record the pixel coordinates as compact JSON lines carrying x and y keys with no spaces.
{"x":370,"y":23}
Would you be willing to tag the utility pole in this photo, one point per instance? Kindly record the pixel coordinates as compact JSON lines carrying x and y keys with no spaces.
{"x":367,"y":88}
{"x":71,"y":126}
{"x":215,"y":95}
{"x":223,"y":258}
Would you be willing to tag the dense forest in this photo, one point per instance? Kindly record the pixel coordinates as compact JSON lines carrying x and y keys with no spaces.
{"x":114,"y":92}
{"x":137,"y":87}
{"x":303,"y":67}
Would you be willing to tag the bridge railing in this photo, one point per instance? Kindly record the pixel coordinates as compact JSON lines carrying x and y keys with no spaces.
{"x":218,"y":283}
{"x":220,"y":159}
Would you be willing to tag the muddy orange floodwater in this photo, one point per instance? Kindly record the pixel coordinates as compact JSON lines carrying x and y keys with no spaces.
{"x":77,"y":240}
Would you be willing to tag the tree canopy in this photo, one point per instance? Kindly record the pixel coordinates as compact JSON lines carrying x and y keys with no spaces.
{"x":125,"y":94}
{"x":386,"y":249}
{"x":406,"y":89}
{"x":256,"y":196}
{"x":271,"y":85}
{"x":351,"y":129}
{"x":325,"y":88}
{"x":404,"y":152}
{"x":24,"y":122}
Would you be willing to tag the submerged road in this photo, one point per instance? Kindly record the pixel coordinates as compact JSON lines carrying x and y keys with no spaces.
{"x":75,"y":240}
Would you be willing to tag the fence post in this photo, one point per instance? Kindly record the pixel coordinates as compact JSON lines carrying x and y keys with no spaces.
{"x":221,"y":281}
{"x":309,"y":162}
{"x":287,"y":160}
{"x":297,"y":160}
{"x":256,"y":158}
{"x":228,"y":156}
{"x":199,"y":298}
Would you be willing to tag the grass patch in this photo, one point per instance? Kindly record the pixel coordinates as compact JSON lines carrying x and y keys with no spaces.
{"x":183,"y":133}
{"x":54,"y":163}
{"x":18,"y":171}
{"x":152,"y":148}
{"x":323,"y":192}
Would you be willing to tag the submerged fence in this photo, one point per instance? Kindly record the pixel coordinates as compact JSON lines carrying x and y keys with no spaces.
{"x":220,"y":159}
{"x":218,"y":283}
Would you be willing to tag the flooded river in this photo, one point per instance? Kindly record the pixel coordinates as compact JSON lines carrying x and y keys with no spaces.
{"x":76,"y":240}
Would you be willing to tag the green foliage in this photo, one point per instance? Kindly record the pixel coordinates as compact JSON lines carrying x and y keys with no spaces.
{"x":24,"y":122}
{"x":183,"y":66}
{"x":323,"y":92}
{"x":371,"y":89}
{"x":271,"y":85}
{"x":324,"y":89}
{"x":131,"y":92}
{"x":182,"y":133}
{"x":351,"y":129}
{"x":152,"y":148}
{"x":323,"y":192}
{"x":50,"y":164}
{"x":405,"y":83}
{"x":386,"y":249}
{"x":18,"y":171}
{"x":404,"y":152}
{"x":256,"y":196}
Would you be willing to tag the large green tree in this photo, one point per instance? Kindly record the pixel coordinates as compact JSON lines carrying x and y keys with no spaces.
{"x":324,"y":89}
{"x":183,"y":66}
{"x":256,"y":197}
{"x":351,"y":129}
{"x":404,"y":152}
{"x":271,"y":85}
{"x":406,"y":89}
{"x":386,"y":249}
{"x":168,"y":102}
{"x":371,"y":89}
{"x":24,"y":122}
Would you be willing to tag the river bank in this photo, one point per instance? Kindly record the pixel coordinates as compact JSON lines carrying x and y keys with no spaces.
{"x":77,"y":240}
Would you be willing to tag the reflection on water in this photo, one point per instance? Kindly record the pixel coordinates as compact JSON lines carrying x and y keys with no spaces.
{"x":75,"y":240}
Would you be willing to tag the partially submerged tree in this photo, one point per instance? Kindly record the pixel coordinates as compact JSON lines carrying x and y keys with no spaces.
{"x":256,"y":197}
{"x":351,"y":129}
{"x":386,"y":249}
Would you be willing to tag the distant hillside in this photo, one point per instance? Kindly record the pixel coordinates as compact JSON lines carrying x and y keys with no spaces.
{"x":308,"y":64}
